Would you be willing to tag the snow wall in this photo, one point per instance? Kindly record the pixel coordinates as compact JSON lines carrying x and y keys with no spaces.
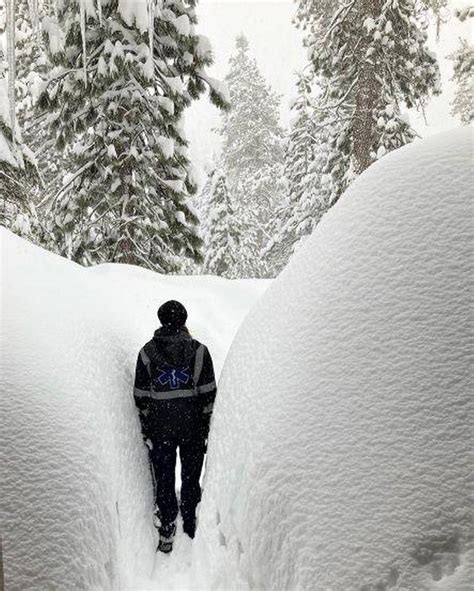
{"x":339,"y":453}
{"x":75,"y":484}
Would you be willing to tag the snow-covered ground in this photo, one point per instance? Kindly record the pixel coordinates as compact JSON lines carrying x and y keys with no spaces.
{"x":339,"y":447}
{"x":76,"y":491}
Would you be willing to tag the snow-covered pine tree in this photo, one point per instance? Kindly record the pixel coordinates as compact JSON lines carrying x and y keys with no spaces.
{"x":221,"y":236}
{"x":30,"y":64}
{"x":439,"y":10}
{"x":17,"y":165}
{"x":201,"y":200}
{"x":372,"y":61}
{"x":125,"y":72}
{"x":252,"y":152}
{"x":463,"y":103}
{"x":307,"y":198}
{"x":32,"y":69}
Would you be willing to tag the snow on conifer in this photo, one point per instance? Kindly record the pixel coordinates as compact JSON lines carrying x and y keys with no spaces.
{"x":17,"y":164}
{"x":116,"y":110}
{"x":373,"y":62}
{"x":463,"y":103}
{"x":307,"y":196}
{"x":252,"y":157}
{"x":221,"y":233}
{"x":32,"y":69}
{"x":30,"y":57}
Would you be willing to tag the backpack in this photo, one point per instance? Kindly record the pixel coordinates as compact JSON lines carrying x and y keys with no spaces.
{"x":168,"y":377}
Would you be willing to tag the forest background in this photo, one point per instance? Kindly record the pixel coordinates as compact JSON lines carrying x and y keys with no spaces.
{"x":256,"y":118}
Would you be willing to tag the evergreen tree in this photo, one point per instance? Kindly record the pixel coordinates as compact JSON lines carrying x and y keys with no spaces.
{"x":221,"y":234}
{"x":252,"y":152}
{"x":307,"y":195}
{"x":29,"y":63}
{"x":438,"y":9}
{"x":32,"y":69}
{"x":17,"y":166}
{"x":372,"y":61}
{"x":463,"y":103}
{"x":123,"y":76}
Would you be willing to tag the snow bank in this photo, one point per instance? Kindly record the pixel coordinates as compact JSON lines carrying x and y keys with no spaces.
{"x":75,"y":484}
{"x":342,"y":430}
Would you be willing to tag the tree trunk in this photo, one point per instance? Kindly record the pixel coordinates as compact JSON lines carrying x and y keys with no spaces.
{"x":367,"y":92}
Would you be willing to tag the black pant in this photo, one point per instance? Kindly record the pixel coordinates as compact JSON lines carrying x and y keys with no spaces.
{"x":163,"y":458}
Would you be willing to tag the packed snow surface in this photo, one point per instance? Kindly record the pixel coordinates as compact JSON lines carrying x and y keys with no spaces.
{"x":339,"y":452}
{"x":76,"y":493}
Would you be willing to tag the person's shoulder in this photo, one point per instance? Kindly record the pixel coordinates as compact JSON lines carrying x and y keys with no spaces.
{"x":197,"y":344}
{"x":148,"y":343}
{"x":205,"y":348}
{"x":146,"y":347}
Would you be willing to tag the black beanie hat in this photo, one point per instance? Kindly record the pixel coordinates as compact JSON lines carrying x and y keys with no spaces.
{"x":172,"y":313}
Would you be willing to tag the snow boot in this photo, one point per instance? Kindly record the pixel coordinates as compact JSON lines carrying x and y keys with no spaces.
{"x":189,"y":527}
{"x":167,"y":533}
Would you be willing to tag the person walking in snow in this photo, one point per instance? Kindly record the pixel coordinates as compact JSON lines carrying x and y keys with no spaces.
{"x":174,"y":391}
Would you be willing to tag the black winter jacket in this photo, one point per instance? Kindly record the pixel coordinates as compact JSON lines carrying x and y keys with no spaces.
{"x":175,"y":386}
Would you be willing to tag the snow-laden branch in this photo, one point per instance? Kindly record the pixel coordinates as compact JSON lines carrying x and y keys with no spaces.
{"x":10,"y":6}
{"x":51,"y":200}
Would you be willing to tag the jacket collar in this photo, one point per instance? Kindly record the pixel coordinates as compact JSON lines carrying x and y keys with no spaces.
{"x":168,"y":332}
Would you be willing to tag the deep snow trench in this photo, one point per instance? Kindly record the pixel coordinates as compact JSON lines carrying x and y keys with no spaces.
{"x":340,"y":448}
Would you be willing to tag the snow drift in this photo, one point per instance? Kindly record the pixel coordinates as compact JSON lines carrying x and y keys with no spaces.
{"x":343,"y":425}
{"x":76,"y":492}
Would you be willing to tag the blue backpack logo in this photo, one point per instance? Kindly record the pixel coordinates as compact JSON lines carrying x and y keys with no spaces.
{"x":174,"y":377}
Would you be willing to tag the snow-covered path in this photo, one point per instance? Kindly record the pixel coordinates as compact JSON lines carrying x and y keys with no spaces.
{"x":174,"y":571}
{"x":171,"y":572}
{"x":216,"y":309}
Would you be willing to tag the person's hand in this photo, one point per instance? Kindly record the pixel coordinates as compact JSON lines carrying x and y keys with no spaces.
{"x":205,"y":428}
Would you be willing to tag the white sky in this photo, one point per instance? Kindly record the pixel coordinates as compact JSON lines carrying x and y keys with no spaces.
{"x":277,"y":46}
{"x":275,"y":43}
